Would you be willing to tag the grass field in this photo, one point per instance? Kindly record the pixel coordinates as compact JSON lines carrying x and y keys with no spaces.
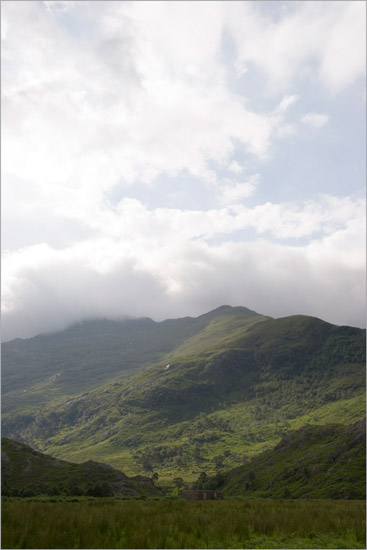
{"x":108,"y":523}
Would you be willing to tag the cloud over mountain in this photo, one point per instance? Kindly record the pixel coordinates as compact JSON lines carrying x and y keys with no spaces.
{"x":163,"y":159}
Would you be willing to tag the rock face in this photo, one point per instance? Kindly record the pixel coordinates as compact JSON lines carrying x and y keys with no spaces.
{"x":26,"y":472}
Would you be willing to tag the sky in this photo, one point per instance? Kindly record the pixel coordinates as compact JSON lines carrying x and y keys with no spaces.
{"x":162,"y":159}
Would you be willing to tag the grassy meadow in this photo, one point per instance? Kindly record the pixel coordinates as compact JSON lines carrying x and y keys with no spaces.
{"x":111,"y":523}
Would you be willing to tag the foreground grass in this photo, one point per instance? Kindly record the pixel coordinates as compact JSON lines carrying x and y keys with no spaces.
{"x":108,"y":523}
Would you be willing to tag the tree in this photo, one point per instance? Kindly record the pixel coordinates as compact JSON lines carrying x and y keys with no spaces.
{"x":197,"y":455}
{"x":155,"y":476}
{"x":218,"y":461}
{"x":251,"y":475}
{"x":146,"y":464}
{"x":180,"y":461}
{"x":99,"y":490}
{"x":178,"y":481}
{"x":201,"y":481}
{"x":218,"y":480}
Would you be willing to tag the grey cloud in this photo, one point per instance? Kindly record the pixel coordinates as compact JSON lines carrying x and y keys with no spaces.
{"x":269,"y":279}
{"x":52,"y":298}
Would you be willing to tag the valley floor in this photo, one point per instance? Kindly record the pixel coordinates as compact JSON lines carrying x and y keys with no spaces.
{"x":111,"y":523}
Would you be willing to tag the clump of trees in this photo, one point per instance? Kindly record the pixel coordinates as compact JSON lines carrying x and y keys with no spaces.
{"x":209,"y":482}
{"x":97,"y":489}
{"x":161,"y":456}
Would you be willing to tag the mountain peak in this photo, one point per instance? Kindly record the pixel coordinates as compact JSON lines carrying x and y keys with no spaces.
{"x":227,"y":309}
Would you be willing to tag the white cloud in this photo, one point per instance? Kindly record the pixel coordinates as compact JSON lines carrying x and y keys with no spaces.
{"x":133,"y":221}
{"x":124,"y":106}
{"x":102,"y":95}
{"x":286,"y":130}
{"x":120,"y":106}
{"x":315,"y":120}
{"x":62,"y":5}
{"x":235,"y":167}
{"x":344,"y":56}
{"x":328,"y":36}
{"x":286,"y":102}
{"x":232,"y":193}
{"x":47,"y":289}
{"x":168,"y":268}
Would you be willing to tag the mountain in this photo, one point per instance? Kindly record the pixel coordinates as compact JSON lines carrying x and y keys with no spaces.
{"x":26,"y":472}
{"x":92,"y":353}
{"x":312,"y":462}
{"x":204,"y":393}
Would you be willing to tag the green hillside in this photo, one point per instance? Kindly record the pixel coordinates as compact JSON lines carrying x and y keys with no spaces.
{"x":92,"y":353}
{"x":26,"y":472}
{"x":246,"y":382}
{"x":312,"y":462}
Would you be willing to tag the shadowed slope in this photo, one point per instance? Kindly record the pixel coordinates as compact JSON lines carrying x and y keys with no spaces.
{"x":26,"y":472}
{"x":314,"y":462}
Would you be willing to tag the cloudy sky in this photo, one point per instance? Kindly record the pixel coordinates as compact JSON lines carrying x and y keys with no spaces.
{"x":164,"y":158}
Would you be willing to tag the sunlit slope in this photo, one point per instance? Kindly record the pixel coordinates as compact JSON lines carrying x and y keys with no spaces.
{"x":93,"y":353}
{"x":213,"y":408}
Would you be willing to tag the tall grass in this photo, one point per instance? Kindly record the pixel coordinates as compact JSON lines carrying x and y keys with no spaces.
{"x":108,"y":523}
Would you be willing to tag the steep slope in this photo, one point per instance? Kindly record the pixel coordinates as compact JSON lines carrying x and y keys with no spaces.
{"x":26,"y":472}
{"x":212,"y":408}
{"x":93,"y":353}
{"x":312,"y":462}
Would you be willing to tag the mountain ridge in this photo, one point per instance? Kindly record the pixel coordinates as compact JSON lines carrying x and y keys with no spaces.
{"x":230,"y":381}
{"x":110,"y":342}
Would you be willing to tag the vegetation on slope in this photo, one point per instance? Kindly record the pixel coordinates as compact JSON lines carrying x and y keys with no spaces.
{"x":26,"y":472}
{"x":211,"y":409}
{"x":92,"y":353}
{"x":312,"y":462}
